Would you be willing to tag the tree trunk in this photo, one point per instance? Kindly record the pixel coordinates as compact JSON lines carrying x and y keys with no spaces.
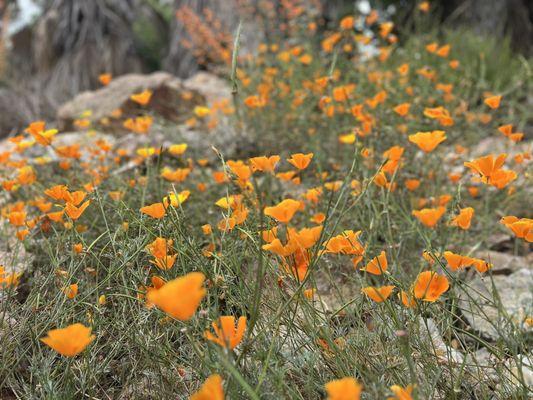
{"x":76,"y":40}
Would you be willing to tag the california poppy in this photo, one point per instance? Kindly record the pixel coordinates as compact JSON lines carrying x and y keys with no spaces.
{"x":226,"y":333}
{"x":429,"y":286}
{"x":105,"y":79}
{"x":75,"y":212}
{"x":156,"y":210}
{"x":69,"y":341}
{"x":300,"y":161}
{"x":463,"y":220}
{"x":428,"y":141}
{"x":344,"y":389}
{"x":378,"y":294}
{"x":457,"y":261}
{"x":401,"y":393}
{"x":180,"y":297}
{"x":429,"y":216}
{"x":264,"y":164}
{"x":486,"y":166}
{"x":142,"y":98}
{"x":210,"y":390}
{"x":283,"y":211}
{"x":378,"y":265}
{"x":493,"y":101}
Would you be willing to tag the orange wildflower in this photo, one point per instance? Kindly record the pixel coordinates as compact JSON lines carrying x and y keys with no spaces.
{"x":156,"y":210}
{"x":347,"y":22}
{"x":180,"y":297}
{"x":105,"y":79}
{"x":457,"y":261}
{"x":412,"y":184}
{"x":378,"y":294}
{"x":142,"y":98}
{"x":487,"y":166}
{"x":75,"y":212}
{"x":226,"y":333}
{"x":344,"y":389}
{"x":264,"y":164}
{"x":464,"y":218}
{"x":69,"y":341}
{"x":17,"y":218}
{"x":429,"y":286}
{"x":493,"y":101}
{"x":522,"y":228}
{"x":284,"y":211}
{"x":210,"y":390}
{"x":8,"y":279}
{"x":429,"y":216}
{"x":378,"y":265}
{"x":300,"y":161}
{"x":428,"y":141}
{"x":71,"y":291}
{"x":57,"y":192}
{"x":399,"y":392}
{"x":402,"y":109}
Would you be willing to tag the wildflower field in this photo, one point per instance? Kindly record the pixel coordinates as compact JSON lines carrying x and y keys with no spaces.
{"x":350,"y":219}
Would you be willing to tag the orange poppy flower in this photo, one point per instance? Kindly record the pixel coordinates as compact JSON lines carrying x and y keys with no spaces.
{"x":156,"y":210}
{"x":210,"y":390}
{"x":522,"y":228}
{"x":142,"y":98}
{"x":75,"y":212}
{"x":17,"y":218}
{"x":226,"y":334}
{"x":429,"y":216}
{"x":378,"y":294}
{"x":264,"y":164}
{"x":284,"y":211}
{"x":105,"y":79}
{"x":378,"y":265}
{"x":402,"y":109}
{"x":464,"y":218}
{"x":75,"y":198}
{"x":300,"y":161}
{"x":424,"y":6}
{"x":428,"y":141}
{"x":38,"y":132}
{"x":345,"y":243}
{"x":178,"y":149}
{"x":180,"y":297}
{"x":481,"y":265}
{"x":8,"y":279}
{"x":71,"y":291}
{"x":69,"y":341}
{"x":493,"y":101}
{"x":400,"y":393}
{"x":56,"y":216}
{"x":486,"y":166}
{"x":407,"y":299}
{"x":241,"y":170}
{"x":429,"y":286}
{"x":347,"y":22}
{"x":412,"y":184}
{"x":177,"y":175}
{"x":457,"y":261}
{"x":344,"y":389}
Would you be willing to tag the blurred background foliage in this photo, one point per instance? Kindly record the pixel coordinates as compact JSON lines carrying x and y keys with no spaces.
{"x":45,"y":41}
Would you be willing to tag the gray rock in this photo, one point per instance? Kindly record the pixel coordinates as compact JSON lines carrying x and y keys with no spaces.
{"x":171,"y":99}
{"x":430,"y":331}
{"x":480,"y":307}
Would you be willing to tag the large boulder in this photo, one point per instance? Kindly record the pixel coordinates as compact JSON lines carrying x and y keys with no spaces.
{"x":171,"y":99}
